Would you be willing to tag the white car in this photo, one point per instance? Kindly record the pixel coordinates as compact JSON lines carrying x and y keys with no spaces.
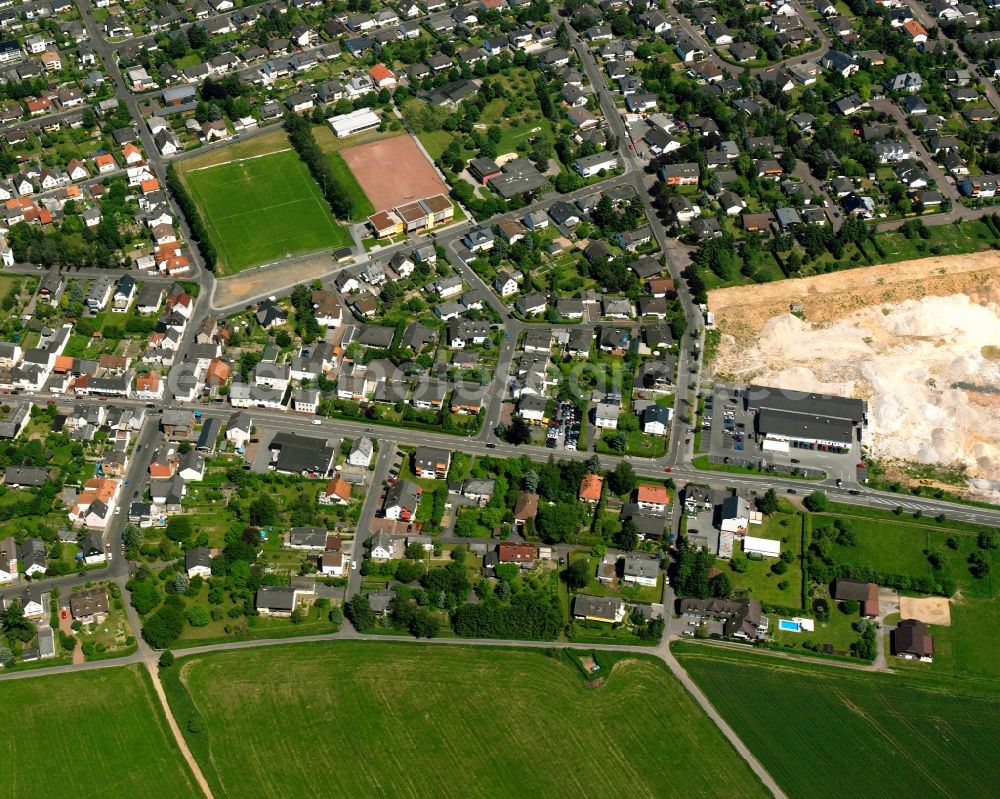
{"x":317,"y":421}
{"x":117,"y":511}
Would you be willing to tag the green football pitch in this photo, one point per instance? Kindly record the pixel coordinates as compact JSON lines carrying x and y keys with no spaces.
{"x":262,"y":209}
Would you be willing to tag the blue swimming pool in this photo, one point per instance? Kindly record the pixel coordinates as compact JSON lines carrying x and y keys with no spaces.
{"x":789,"y":626}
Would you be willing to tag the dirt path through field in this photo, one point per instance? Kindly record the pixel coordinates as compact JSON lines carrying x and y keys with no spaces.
{"x":152,"y":667}
{"x":742,"y":311}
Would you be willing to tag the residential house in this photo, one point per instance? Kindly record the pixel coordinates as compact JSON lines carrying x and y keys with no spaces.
{"x":590,"y":488}
{"x":198,"y":562}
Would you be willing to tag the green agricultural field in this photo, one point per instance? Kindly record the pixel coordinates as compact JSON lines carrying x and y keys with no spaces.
{"x":385,"y":719}
{"x":824,"y":731}
{"x":262,"y":209}
{"x":98,"y":733}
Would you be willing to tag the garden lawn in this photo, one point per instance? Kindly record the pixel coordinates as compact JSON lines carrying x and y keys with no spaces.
{"x":899,"y":545}
{"x":758,"y":580}
{"x":962,"y":651}
{"x":94,"y":734}
{"x":435,"y":142}
{"x":833,"y":732}
{"x":386,"y":719}
{"x":969,"y":236}
{"x":638,"y":443}
{"x":262,"y":209}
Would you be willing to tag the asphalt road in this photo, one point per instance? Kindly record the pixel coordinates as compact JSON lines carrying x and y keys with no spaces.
{"x":386,"y":453}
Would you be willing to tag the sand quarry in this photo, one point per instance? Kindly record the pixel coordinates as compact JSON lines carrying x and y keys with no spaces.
{"x":919,"y":340}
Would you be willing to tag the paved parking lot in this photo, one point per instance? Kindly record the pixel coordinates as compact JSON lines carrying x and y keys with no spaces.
{"x":729,"y":434}
{"x":688,"y":625}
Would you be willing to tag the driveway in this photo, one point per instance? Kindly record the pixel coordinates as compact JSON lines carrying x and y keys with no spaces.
{"x":66,"y":626}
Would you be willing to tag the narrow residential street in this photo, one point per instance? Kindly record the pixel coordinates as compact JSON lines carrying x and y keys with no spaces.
{"x":386,"y":454}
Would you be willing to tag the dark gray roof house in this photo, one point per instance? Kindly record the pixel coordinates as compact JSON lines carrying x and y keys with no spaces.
{"x":25,"y":476}
{"x":197,"y":557}
{"x":275,"y":599}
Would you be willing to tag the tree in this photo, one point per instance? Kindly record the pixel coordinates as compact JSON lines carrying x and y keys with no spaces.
{"x":849,"y":607}
{"x":132,"y":536}
{"x":197,"y":616}
{"x":979,"y":565}
{"x":577,"y":574}
{"x":166,"y":659}
{"x":768,"y":504}
{"x":424,"y":624}
{"x":866,"y":647}
{"x":721,"y":586}
{"x":390,"y":293}
{"x":622,"y":480}
{"x":16,"y":626}
{"x":556,"y":522}
{"x":360,"y":613}
{"x":263,"y":511}
{"x":530,"y":481}
{"x":518,"y":432}
{"x":627,"y":538}
{"x":987,"y":539}
{"x":145,"y":597}
{"x":164,"y":627}
{"x":617,"y":440}
{"x":416,"y":551}
{"x":6,"y":657}
{"x":739,"y":564}
{"x":816,"y":502}
{"x":179,"y":528}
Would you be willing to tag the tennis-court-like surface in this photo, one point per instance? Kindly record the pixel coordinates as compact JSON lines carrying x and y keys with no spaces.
{"x":393,"y":172}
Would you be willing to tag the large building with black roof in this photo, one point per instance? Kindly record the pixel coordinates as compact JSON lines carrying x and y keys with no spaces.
{"x":804,"y":419}
{"x":296,"y":454}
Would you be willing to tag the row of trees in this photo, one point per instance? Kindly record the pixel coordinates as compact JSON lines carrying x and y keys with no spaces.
{"x":529,"y":616}
{"x":301,"y":137}
{"x":194,"y":220}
